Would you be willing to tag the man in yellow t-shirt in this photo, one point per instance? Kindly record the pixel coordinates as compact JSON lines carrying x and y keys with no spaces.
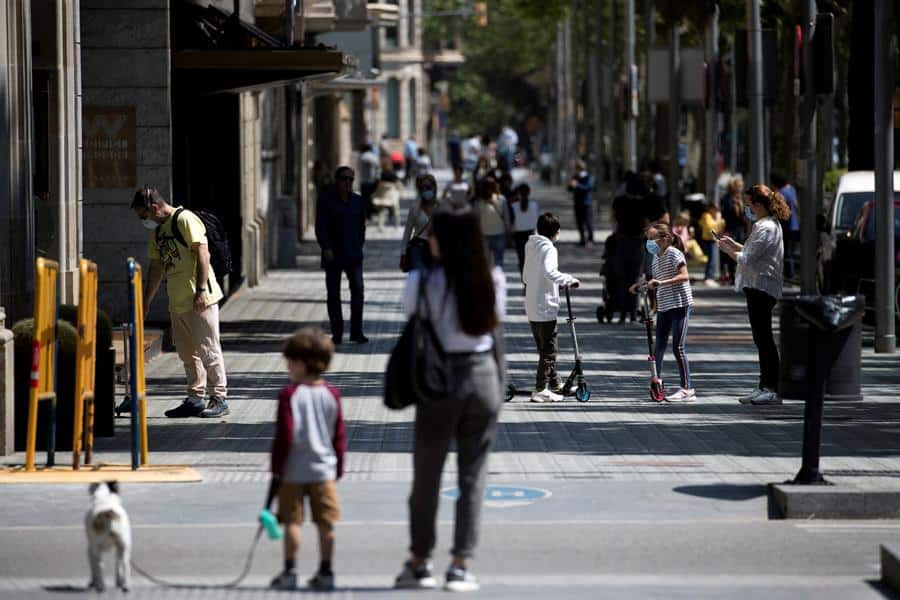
{"x":182,"y":258}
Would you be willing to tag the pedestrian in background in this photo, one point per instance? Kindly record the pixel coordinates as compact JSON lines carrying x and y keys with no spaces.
{"x":732,"y":204}
{"x":525,"y":213}
{"x":711,"y":225}
{"x":466,"y":306}
{"x":790,"y":227}
{"x":414,"y":252}
{"x":490,"y":207}
{"x":458,"y":191}
{"x":542,"y":279}
{"x":369,"y":171}
{"x":423,"y":163}
{"x":410,"y":156}
{"x":759,"y":277}
{"x":179,"y":252}
{"x":672,"y":284}
{"x":341,"y":234}
{"x":308,"y":454}
{"x":582,"y":187}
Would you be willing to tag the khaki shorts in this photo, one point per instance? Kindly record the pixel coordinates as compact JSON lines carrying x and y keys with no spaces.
{"x":323,"y":502}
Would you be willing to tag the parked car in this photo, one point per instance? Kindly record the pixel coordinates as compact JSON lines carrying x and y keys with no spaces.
{"x":853,"y":263}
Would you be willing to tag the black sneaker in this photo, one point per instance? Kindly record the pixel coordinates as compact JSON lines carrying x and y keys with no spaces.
{"x":323,"y":582}
{"x":419,"y":577}
{"x":359,"y":338}
{"x":217,"y":407}
{"x":191,"y":407}
{"x":460,"y":579}
{"x":286,"y":580}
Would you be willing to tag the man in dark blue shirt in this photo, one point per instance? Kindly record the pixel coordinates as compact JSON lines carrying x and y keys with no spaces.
{"x":341,"y":233}
{"x":581,"y":186}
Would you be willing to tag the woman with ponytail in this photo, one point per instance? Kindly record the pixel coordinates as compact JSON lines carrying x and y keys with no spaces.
{"x":759,"y":271}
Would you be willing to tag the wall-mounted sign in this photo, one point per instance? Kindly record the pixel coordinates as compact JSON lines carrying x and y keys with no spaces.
{"x":110,"y":147}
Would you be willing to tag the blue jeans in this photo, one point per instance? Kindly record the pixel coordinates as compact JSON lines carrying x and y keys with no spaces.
{"x":676,"y":322}
{"x":496,"y":245}
{"x":709,"y":248}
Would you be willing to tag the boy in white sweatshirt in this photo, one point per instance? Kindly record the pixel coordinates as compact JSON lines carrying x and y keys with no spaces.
{"x":542,"y":279}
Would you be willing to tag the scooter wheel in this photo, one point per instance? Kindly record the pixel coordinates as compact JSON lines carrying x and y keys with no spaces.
{"x":510,"y":392}
{"x":583,"y":393}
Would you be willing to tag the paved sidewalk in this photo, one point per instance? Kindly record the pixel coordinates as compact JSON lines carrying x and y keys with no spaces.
{"x":616,"y":436}
{"x":642,"y":500}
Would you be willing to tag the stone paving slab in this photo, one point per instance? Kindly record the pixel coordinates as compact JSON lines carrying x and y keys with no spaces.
{"x":617,"y":436}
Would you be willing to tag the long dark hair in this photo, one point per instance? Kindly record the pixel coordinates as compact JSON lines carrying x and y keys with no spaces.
{"x":465,"y":263}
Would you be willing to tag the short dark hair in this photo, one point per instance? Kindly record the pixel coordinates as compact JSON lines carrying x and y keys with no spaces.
{"x":312,"y":347}
{"x":341,"y":169}
{"x":548,"y":225}
{"x":146,"y":196}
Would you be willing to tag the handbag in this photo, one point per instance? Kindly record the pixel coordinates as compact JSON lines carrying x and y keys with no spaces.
{"x":414,"y":244}
{"x":417,"y":370}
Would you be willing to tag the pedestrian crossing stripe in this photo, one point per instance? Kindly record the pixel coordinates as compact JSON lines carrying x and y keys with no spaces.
{"x":504,"y":496}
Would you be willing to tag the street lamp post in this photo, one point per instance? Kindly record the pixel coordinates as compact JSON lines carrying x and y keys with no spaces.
{"x":809,"y":201}
{"x":885,"y":338}
{"x":755,"y":94}
{"x":630,"y":145}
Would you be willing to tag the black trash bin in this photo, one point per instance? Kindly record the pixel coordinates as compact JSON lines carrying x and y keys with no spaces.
{"x":841,"y":349}
{"x":828,"y":341}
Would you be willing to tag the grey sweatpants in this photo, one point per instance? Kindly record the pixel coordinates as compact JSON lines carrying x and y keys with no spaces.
{"x":468,"y":416}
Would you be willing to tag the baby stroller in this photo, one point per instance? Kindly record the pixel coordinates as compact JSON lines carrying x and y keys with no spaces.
{"x":606,"y":307}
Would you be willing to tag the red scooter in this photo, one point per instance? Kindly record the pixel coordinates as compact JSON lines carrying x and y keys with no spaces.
{"x":657,"y":388}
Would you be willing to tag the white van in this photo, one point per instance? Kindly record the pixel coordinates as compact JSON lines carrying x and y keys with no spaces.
{"x":854,"y":189}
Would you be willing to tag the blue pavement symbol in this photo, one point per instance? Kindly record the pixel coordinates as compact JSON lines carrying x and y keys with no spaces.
{"x":504,"y":496}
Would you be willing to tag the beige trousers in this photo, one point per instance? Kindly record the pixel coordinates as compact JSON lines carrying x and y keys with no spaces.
{"x":196,"y":338}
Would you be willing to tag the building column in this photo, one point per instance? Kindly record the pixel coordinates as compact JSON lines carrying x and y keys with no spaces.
{"x":16,"y":139}
{"x":65,"y":147}
{"x":16,"y":204}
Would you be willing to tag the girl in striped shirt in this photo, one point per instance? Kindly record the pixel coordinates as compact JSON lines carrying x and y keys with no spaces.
{"x":673,"y":301}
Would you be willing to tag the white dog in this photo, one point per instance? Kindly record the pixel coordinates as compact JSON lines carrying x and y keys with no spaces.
{"x":108,"y":527}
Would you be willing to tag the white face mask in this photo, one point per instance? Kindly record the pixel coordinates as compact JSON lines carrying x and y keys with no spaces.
{"x":149,"y":224}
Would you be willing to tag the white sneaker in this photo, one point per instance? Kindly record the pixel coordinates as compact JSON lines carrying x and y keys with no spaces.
{"x":546,"y":395}
{"x":766,"y":397}
{"x":710,"y":283}
{"x":681,"y":395}
{"x":748,"y":399}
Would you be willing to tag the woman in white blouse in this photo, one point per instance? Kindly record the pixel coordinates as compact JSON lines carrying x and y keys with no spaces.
{"x":525,"y":213}
{"x":466,"y":306}
{"x":759,"y":270}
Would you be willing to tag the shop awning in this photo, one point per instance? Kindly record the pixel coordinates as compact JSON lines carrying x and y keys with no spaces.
{"x":215,"y":52}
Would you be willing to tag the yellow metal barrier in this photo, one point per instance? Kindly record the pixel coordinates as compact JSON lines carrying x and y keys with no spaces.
{"x":85,"y":364}
{"x":139,"y":441}
{"x":43,"y":359}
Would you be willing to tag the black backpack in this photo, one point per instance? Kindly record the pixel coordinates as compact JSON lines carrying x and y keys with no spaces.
{"x":217,"y":239}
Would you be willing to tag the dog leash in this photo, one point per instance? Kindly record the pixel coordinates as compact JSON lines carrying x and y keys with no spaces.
{"x":231,"y":584}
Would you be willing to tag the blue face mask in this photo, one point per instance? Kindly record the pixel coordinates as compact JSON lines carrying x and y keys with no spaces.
{"x":751,"y":216}
{"x":652,"y":247}
{"x":428,"y":195}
